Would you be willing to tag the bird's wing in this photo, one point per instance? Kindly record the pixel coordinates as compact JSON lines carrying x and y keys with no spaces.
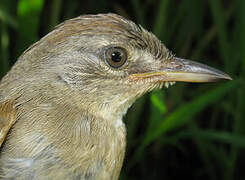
{"x":7,"y":119}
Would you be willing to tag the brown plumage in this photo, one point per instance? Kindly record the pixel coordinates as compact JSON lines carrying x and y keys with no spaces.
{"x":62,"y":103}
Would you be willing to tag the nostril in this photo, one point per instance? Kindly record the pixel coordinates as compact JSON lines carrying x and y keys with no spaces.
{"x":172,"y":65}
{"x":178,"y":66}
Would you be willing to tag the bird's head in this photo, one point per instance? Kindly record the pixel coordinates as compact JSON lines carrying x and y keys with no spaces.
{"x":106,"y":62}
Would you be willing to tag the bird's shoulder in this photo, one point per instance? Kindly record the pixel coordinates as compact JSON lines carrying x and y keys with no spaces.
{"x":7,"y":118}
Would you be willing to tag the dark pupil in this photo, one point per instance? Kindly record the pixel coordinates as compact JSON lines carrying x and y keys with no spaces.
{"x":116,"y":56}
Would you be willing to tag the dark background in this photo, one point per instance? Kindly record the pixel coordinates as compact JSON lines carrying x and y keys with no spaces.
{"x":194,"y":131}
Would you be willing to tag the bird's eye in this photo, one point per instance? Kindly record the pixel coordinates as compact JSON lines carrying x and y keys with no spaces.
{"x":115,"y":56}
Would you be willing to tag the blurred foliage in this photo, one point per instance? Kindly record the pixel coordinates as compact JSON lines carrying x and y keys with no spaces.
{"x":194,"y":131}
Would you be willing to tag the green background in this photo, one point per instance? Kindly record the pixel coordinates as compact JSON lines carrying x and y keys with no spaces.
{"x":194,"y":131}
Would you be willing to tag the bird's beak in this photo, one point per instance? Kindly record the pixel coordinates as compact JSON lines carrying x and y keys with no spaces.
{"x":184,"y":70}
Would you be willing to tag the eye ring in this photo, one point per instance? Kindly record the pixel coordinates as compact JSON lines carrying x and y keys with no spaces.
{"x":115,"y":56}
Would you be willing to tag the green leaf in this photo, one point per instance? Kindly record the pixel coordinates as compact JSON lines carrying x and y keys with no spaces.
{"x":4,"y":54}
{"x":160,"y":24}
{"x":220,"y":21}
{"x":213,"y":135}
{"x":187,"y":111}
{"x":158,"y":109}
{"x":157,"y":99}
{"x":7,"y":18}
{"x":28,"y":13}
{"x":184,"y":114}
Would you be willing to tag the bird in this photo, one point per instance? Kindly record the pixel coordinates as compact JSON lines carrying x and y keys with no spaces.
{"x":63,"y":101}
